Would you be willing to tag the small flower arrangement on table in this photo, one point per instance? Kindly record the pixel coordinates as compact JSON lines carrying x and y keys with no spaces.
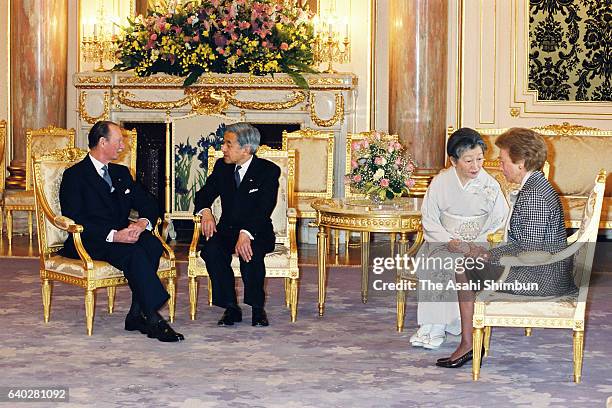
{"x":380,"y":168}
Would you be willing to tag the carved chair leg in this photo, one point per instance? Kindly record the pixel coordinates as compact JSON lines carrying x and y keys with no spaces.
{"x":90,"y":301}
{"x":336,"y":242}
{"x":477,"y":337}
{"x":30,"y":224}
{"x":9,"y":226}
{"x":578,"y":355}
{"x":171,"y":288}
{"x":294,"y":299}
{"x":1,"y":222}
{"x":347,"y":239}
{"x":487,"y":340}
{"x":527,"y":331}
{"x":287,"y":292}
{"x":111,"y":290}
{"x":401,"y":305}
{"x":209,"y":291}
{"x":46,"y":299}
{"x":193,"y":297}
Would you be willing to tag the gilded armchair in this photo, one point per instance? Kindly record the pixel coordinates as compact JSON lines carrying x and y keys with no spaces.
{"x":314,"y":167}
{"x":560,"y":312}
{"x":283,"y":262}
{"x":53,"y":229}
{"x":38,"y":142}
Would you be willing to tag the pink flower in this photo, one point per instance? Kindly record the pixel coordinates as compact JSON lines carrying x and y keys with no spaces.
{"x":196,"y":38}
{"x":365,"y":144}
{"x":239,"y":52}
{"x":398,"y":161}
{"x":284,"y":46}
{"x":384,"y":182}
{"x":397,"y":145}
{"x":357,"y":178}
{"x":409,"y":183}
{"x":264,"y":43}
{"x":354,"y":164}
{"x":220,"y":50}
{"x":378,"y":161}
{"x":355,"y":145}
{"x":410,"y":167}
{"x":243,"y":25}
{"x":153,"y":37}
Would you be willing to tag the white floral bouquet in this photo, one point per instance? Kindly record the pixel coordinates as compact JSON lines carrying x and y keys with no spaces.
{"x":380,"y":169}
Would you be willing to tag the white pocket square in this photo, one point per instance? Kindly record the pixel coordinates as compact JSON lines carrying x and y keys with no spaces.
{"x":253,"y":190}
{"x":127,"y":191}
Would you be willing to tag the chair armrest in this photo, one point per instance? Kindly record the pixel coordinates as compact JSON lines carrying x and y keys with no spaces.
{"x":167,"y":250}
{"x":197,"y":231}
{"x":530,"y":258}
{"x":495,"y":238}
{"x":66,"y":224}
{"x":292,"y":221}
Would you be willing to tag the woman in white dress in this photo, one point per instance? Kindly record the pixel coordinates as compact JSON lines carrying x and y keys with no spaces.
{"x":463,"y":204}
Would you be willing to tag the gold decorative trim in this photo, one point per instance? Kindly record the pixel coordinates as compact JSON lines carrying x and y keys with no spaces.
{"x":297,"y":98}
{"x":338,"y":113}
{"x":94,"y":80}
{"x":515,"y":112}
{"x":354,"y":223}
{"x":566,"y":129}
{"x":83,"y":108}
{"x":124,"y":98}
{"x":207,"y":101}
{"x":211,"y":79}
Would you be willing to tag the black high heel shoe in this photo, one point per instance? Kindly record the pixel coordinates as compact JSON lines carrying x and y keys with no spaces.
{"x":456,"y":363}
{"x":446,"y":362}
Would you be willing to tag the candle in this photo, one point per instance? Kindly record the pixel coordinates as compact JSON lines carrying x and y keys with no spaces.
{"x":346,"y":31}
{"x":331,"y":31}
{"x":95,"y":32}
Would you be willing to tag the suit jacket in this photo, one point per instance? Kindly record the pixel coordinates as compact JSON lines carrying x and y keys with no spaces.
{"x":537,"y":224}
{"x":250,"y":206}
{"x":86,"y":198}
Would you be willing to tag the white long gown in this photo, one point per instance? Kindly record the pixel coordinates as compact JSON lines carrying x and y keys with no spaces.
{"x":451,"y":210}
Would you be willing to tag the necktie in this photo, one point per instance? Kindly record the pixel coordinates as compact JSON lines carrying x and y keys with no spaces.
{"x":106,"y":176}
{"x":237,"y":176}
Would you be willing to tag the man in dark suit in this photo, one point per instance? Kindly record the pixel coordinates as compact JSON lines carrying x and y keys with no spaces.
{"x":248,"y":187}
{"x":99,"y":195}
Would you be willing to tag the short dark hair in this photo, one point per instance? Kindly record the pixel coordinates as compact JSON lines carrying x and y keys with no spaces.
{"x":524,"y":144}
{"x":246,"y":135}
{"x":98,"y":130}
{"x":464,"y":139}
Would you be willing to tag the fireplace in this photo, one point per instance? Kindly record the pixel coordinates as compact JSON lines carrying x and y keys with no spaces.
{"x":151,"y":160}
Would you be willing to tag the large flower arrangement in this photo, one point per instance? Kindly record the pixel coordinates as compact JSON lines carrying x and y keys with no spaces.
{"x":380,"y":168}
{"x":259,"y":37}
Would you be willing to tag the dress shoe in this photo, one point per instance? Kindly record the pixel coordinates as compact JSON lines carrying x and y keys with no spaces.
{"x":444,"y":359}
{"x":420,"y":337}
{"x":230,"y":316}
{"x":163,"y":332}
{"x":135,"y":322}
{"x":259,"y":319}
{"x":456,"y":363}
{"x":434,"y":341}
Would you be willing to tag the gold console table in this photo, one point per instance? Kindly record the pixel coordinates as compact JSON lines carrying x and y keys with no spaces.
{"x":401,"y":216}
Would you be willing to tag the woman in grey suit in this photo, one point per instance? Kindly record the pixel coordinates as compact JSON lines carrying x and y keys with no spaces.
{"x":536,"y":224}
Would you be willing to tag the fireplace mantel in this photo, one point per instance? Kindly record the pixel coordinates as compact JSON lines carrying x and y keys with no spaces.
{"x":328,"y":103}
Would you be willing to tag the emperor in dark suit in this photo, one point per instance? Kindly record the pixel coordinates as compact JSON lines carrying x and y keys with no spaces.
{"x":248,"y":187}
{"x":99,"y":195}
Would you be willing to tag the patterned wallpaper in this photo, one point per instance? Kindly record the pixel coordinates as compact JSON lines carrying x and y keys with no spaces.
{"x":570,"y":55}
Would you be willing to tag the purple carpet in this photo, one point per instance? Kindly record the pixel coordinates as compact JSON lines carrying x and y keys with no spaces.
{"x":353,"y":357}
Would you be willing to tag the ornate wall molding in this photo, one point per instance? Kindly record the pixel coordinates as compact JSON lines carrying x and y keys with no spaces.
{"x":338,"y":111}
{"x":83,"y":108}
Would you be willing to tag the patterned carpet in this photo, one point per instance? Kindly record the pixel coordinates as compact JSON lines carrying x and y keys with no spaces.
{"x":350,"y":358}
